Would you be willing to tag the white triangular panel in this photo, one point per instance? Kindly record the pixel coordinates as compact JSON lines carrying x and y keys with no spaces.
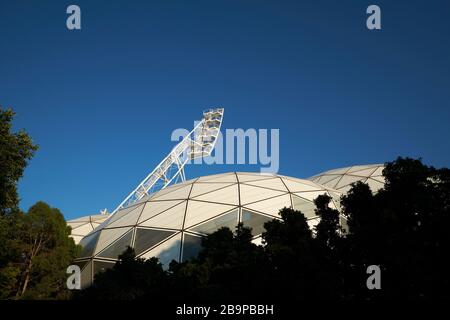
{"x":152,"y":208}
{"x":83,"y":230}
{"x":228,"y":195}
{"x":167,"y":190}
{"x":325,"y":179}
{"x":180,"y":193}
{"x":251,"y":194}
{"x":333,"y":183}
{"x":361,"y":168}
{"x":271,"y":206}
{"x":123,"y":212}
{"x":276,"y":184}
{"x":311,"y":195}
{"x":297,"y":186}
{"x":308,"y":208}
{"x":199,"y":211}
{"x":364,"y":173}
{"x":229,"y":220}
{"x":172,"y":218}
{"x":128,"y":220}
{"x":117,"y":246}
{"x":347,"y":180}
{"x":379,"y":171}
{"x":166,"y":252}
{"x":202,"y":188}
{"x":108,"y":236}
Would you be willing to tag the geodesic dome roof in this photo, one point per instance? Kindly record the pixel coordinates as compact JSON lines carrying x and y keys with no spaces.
{"x":169,"y":224}
{"x":342,"y":179}
{"x":84,"y":225}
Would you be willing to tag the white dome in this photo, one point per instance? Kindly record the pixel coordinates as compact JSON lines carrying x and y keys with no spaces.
{"x":85,"y":225}
{"x":169,"y":224}
{"x":342,"y":179}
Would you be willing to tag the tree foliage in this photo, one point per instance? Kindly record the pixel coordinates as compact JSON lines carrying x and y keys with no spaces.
{"x":131,"y":278}
{"x":35,"y":248}
{"x":16,"y":149}
{"x":402,"y":228}
{"x":39,"y":250}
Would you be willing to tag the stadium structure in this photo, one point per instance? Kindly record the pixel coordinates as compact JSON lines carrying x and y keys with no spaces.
{"x":166,"y":216}
{"x":343,"y":178}
{"x":85,"y":225}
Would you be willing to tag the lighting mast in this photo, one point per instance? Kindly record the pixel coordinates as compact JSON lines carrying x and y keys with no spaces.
{"x":197,"y":144}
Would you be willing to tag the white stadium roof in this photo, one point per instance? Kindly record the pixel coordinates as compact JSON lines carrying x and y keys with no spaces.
{"x":85,"y":225}
{"x":342,"y":179}
{"x":169,"y":224}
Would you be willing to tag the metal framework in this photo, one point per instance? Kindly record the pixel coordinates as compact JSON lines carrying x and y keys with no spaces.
{"x":198,"y":143}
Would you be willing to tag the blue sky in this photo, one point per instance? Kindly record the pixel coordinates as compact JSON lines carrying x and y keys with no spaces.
{"x":102,"y":102}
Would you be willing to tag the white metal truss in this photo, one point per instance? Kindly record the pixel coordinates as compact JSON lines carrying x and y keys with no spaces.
{"x":198,"y":143}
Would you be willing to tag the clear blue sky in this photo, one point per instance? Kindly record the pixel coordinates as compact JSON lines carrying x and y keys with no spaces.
{"x":102,"y":102}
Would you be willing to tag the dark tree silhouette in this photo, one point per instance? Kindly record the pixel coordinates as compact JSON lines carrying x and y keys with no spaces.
{"x":290,"y":255}
{"x":131,"y":278}
{"x":35,"y":248}
{"x":16,"y":149}
{"x":402,"y":229}
{"x":230,"y":266}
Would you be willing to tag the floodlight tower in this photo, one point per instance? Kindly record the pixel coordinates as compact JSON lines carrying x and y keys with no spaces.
{"x":197,"y":144}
